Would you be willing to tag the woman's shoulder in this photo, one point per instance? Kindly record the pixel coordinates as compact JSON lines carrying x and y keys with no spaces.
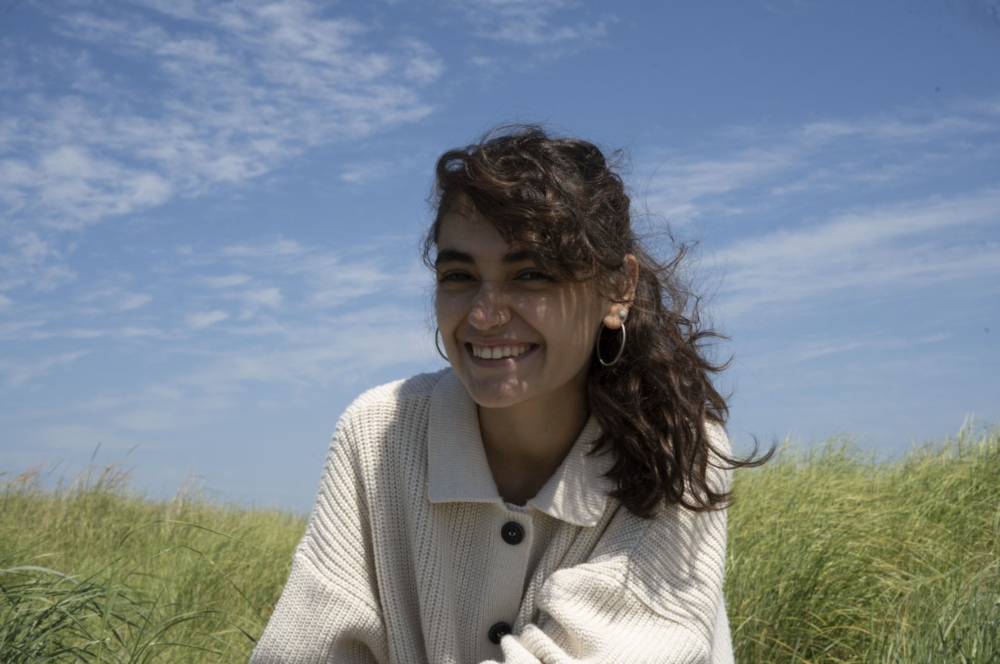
{"x":418,"y":386}
{"x":406,"y":398}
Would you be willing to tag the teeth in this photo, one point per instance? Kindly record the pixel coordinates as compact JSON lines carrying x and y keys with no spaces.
{"x":498,"y":352}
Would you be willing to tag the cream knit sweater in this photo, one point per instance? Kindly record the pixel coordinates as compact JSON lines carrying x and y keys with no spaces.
{"x":411,"y":555}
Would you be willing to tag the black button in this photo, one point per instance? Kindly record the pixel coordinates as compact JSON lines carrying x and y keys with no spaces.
{"x":498,"y":631}
{"x":512,"y":532}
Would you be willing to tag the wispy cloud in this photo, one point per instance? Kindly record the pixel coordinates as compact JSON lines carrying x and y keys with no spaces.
{"x":749,"y":169}
{"x":225,"y":281}
{"x":185,"y":297}
{"x":368,"y":171}
{"x":817,"y":349}
{"x":904,"y":246}
{"x":28,"y":262}
{"x":825,"y":347}
{"x":203,"y":319}
{"x":115,"y":298}
{"x":83,"y":156}
{"x":532,"y":22}
{"x":61,"y":439}
{"x":326,"y":352}
{"x":20,"y":373}
{"x":678,"y":187}
{"x":328,"y":278}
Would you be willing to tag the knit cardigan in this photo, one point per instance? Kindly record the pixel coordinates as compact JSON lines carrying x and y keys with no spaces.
{"x":412,"y":556}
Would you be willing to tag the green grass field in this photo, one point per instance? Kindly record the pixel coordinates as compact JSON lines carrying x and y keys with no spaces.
{"x":832,"y":558}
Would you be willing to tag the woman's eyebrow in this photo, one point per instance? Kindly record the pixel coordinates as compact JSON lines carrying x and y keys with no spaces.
{"x":453,"y":256}
{"x":456,"y":256}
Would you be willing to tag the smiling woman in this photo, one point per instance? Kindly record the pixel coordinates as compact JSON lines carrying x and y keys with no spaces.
{"x":558,"y":494}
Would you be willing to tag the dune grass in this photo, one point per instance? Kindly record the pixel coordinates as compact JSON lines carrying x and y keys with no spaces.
{"x":91,"y":572}
{"x":832,"y":558}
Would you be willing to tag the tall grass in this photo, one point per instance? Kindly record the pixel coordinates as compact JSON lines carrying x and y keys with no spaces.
{"x":835,"y":558}
{"x":832,"y":558}
{"x":92,"y":572}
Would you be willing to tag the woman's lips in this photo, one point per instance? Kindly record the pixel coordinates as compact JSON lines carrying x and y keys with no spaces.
{"x":498,"y":353}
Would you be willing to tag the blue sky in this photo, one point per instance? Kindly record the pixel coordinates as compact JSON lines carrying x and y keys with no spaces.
{"x":210,"y":212}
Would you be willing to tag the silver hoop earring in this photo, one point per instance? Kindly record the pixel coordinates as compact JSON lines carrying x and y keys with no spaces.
{"x":437,"y":333}
{"x":621,"y":349}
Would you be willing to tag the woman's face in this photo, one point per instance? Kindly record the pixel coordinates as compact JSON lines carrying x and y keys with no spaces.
{"x":512,"y":333}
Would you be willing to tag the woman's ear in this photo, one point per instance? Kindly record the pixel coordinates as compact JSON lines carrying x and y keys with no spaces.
{"x":631,"y":269}
{"x":618,"y":311}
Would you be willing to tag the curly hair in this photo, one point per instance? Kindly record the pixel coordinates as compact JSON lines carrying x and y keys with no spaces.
{"x":560,"y":199}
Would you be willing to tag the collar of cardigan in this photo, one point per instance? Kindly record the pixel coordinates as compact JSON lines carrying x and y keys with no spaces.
{"x":458,"y":471}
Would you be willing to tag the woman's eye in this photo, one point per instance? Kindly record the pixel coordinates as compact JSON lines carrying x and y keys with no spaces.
{"x":454,"y":277}
{"x":533,"y":275}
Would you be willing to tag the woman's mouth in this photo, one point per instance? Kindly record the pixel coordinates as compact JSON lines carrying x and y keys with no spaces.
{"x":499,"y":352}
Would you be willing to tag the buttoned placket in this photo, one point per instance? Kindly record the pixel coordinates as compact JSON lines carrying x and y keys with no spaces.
{"x":512,"y":533}
{"x":576,"y":494}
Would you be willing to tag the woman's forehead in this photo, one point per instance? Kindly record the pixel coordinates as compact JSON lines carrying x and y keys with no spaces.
{"x":470,"y":239}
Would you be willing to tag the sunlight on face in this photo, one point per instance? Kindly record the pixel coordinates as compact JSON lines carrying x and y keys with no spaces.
{"x":512,"y":333}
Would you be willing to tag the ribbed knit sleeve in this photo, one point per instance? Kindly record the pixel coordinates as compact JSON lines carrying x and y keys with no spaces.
{"x":329,"y":610}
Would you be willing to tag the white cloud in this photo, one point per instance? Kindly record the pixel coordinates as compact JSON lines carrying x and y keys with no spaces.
{"x":75,"y":187}
{"x":131,"y":301}
{"x":13,"y":329}
{"x":405,"y":160}
{"x":328,"y":352}
{"x":335,"y":281}
{"x":739,"y":176}
{"x":893,"y":129}
{"x":262,"y":297}
{"x":369,"y":171}
{"x":225,"y":281}
{"x":423,"y":65}
{"x":904,"y":246}
{"x":197,"y":117}
{"x":133,"y":332}
{"x":678,"y":185}
{"x":324,"y":278}
{"x":146,"y":420}
{"x":62,"y":438}
{"x":30,"y":332}
{"x":816,"y":349}
{"x":101,"y":300}
{"x":76,"y":333}
{"x":244,"y":284}
{"x":530,"y":22}
{"x":204,"y":319}
{"x":276,"y":249}
{"x":19,"y":373}
{"x":28,"y":261}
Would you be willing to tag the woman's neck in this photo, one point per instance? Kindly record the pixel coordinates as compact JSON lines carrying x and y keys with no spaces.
{"x":525,"y":443}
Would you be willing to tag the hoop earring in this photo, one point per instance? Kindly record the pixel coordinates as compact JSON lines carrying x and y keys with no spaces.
{"x":437,"y":333}
{"x":621,"y":349}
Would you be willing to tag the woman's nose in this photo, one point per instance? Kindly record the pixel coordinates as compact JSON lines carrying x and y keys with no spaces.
{"x":489,"y":307}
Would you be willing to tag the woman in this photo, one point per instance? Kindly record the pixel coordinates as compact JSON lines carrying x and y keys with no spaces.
{"x":558,"y":494}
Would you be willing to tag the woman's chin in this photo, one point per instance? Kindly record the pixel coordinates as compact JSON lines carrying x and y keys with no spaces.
{"x":495,"y":392}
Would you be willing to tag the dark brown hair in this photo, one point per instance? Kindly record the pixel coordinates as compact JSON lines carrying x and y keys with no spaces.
{"x":560,"y":199}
